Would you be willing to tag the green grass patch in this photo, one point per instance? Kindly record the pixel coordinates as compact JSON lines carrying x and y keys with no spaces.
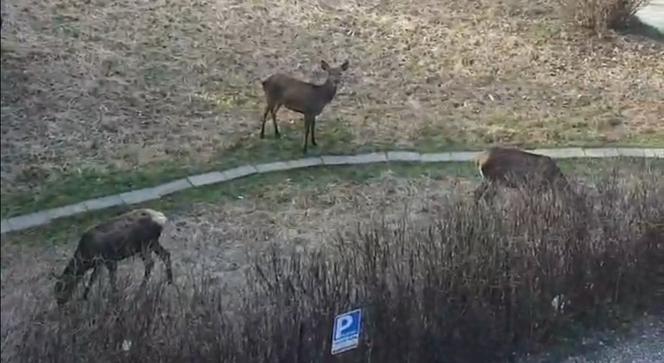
{"x":92,"y":183}
{"x":317,"y":178}
{"x":336,"y":139}
{"x":65,"y":229}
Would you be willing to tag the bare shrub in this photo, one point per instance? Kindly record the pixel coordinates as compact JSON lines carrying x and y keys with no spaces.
{"x":476,"y":283}
{"x":600,"y":15}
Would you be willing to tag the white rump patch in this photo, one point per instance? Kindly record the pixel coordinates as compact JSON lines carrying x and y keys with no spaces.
{"x":157,"y":217}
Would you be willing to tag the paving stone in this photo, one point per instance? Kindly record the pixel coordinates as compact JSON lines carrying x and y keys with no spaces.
{"x":377,"y":157}
{"x":271,"y":167}
{"x":207,"y":178}
{"x":654,"y":153}
{"x":103,"y":202}
{"x":66,"y":211}
{"x":173,"y":187}
{"x":146,"y":194}
{"x":436,"y":157}
{"x":546,"y":152}
{"x":336,"y":160}
{"x":563,"y":153}
{"x":139,"y":196}
{"x":464,"y":155}
{"x":601,"y":152}
{"x":632,"y":152}
{"x":239,"y":172}
{"x":5,"y":228}
{"x":304,"y":163}
{"x":28,"y":221}
{"x":403,"y":156}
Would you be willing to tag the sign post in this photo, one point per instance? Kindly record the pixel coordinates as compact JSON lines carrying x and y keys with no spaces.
{"x":346,"y":332}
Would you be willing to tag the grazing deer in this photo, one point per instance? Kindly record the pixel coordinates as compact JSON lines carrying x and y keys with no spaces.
{"x":134,"y":232}
{"x":513,"y":168}
{"x":303,"y":97}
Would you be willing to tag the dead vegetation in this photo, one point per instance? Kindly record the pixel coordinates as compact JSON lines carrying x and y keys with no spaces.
{"x":467,"y":282}
{"x":601,"y":15}
{"x":211,"y":242}
{"x":133,"y":83}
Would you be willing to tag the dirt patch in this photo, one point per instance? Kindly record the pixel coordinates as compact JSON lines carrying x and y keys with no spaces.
{"x":132,"y":83}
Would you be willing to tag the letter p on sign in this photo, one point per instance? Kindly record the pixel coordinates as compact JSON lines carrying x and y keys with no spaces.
{"x":342,"y":325}
{"x":346,"y":334}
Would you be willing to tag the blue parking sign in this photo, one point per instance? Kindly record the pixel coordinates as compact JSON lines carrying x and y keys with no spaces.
{"x":346,"y":332}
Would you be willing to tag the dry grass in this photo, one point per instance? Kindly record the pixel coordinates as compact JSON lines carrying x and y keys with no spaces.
{"x":421,"y":253}
{"x":216,"y":235}
{"x":129,"y":83}
{"x":601,"y":15}
{"x":214,"y":239}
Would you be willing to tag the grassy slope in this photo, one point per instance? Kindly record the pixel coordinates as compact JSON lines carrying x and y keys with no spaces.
{"x":104,"y":97}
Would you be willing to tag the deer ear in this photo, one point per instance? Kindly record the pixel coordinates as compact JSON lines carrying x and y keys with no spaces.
{"x":345,"y":65}
{"x":324,"y":65}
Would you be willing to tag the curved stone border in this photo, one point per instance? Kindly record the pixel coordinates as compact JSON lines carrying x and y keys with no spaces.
{"x":148,"y":194}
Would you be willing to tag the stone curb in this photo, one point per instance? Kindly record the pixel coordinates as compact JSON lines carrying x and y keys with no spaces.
{"x":404,"y":156}
{"x":153,"y":193}
{"x":173,"y":187}
{"x":205,"y":179}
{"x":436,"y":157}
{"x":139,"y":196}
{"x":66,"y":211}
{"x":103,"y":202}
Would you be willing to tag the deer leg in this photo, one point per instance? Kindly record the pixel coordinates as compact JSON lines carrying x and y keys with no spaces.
{"x":165,"y":257}
{"x":313,"y":127}
{"x":274,"y":120}
{"x":93,"y":277}
{"x":267,"y":110}
{"x":112,"y":267}
{"x":485,"y":191}
{"x":491,"y":192}
{"x":146,"y":256}
{"x":307,"y":125}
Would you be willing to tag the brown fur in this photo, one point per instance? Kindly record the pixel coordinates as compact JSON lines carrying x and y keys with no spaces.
{"x":513,"y":168}
{"x":303,"y":97}
{"x":135,"y":232}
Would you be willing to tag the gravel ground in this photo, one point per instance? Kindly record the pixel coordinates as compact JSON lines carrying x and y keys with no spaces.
{"x":642,"y":343}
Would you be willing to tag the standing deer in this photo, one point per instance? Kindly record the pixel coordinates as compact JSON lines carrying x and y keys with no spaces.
{"x":303,"y":97}
{"x":513,"y":168}
{"x":134,"y":232}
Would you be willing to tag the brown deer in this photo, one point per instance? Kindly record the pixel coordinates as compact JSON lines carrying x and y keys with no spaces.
{"x":303,"y":97}
{"x":513,"y":168}
{"x":131,"y":233}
